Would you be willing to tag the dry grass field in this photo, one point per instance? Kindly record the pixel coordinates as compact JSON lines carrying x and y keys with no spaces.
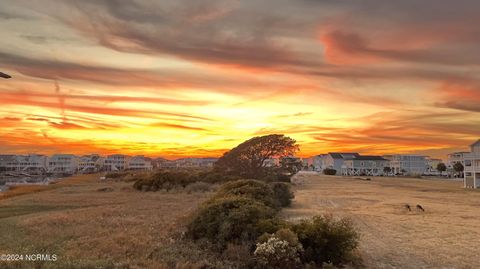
{"x":446,"y":235}
{"x":91,"y":228}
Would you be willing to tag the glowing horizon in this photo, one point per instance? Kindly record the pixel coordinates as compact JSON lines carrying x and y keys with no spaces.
{"x":196,"y":79}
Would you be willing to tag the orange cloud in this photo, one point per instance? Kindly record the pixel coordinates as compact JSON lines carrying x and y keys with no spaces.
{"x":460,"y":95}
{"x":177,"y":126}
{"x":346,"y":48}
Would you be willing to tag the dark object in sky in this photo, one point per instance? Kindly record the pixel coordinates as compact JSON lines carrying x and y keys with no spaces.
{"x":3,"y":75}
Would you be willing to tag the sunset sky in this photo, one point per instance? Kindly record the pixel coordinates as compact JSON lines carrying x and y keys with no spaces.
{"x":194,"y":78}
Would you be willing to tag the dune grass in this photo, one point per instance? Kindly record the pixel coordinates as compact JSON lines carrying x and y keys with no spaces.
{"x":87,"y":228}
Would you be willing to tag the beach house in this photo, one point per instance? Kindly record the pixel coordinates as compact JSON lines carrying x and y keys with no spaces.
{"x":332,"y":160}
{"x":116,"y":162}
{"x":63,"y":164}
{"x":407,"y":164}
{"x":364,"y":165}
{"x":91,"y":163}
{"x":472,"y":166}
{"x":139,"y":163}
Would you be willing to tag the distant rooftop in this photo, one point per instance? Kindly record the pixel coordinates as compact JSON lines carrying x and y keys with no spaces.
{"x":343,"y":155}
{"x":476,"y":143}
{"x":369,"y":158}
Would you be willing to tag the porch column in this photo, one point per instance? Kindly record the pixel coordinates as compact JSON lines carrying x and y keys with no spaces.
{"x":474,"y":171}
{"x":475,"y":179}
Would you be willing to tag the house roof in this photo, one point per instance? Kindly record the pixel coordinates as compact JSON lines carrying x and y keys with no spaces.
{"x":7,"y":157}
{"x":368,"y":158}
{"x":476,"y":143}
{"x":342,"y":155}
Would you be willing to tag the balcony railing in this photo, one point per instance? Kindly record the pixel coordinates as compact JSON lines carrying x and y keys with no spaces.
{"x":471,"y":156}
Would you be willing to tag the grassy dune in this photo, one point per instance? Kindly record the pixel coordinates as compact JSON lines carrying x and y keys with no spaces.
{"x":28,"y":189}
{"x":90,"y":228}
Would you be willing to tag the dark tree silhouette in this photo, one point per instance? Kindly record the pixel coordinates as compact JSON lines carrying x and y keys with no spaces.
{"x":441,"y":167}
{"x":458,"y":167}
{"x":290,"y":165}
{"x":387,"y":169}
{"x":248,"y":159}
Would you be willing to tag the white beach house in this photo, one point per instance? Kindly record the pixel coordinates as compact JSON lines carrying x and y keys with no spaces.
{"x":407,"y":164}
{"x":432,"y":164}
{"x":30,"y":164}
{"x":364,"y":165}
{"x":472,"y":166}
{"x":116,"y":162}
{"x":91,"y":163}
{"x":452,"y":159}
{"x":139,"y":163}
{"x":332,"y":160}
{"x":162,"y":163}
{"x":63,"y":163}
{"x":195,"y":162}
{"x":8,"y":162}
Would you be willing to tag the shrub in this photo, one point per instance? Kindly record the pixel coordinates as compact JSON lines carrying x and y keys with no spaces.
{"x":329,"y":171}
{"x":166,"y":180}
{"x":174,"y":178}
{"x":143,"y":184}
{"x":281,"y":250}
{"x":289,"y":236}
{"x":216,"y":177}
{"x":249,"y":188}
{"x":282,"y":193}
{"x":326,"y":240}
{"x":284,"y":178}
{"x":199,"y":187}
{"x":277,"y":175}
{"x":134,"y":177}
{"x":270,"y":177}
{"x":115,"y":174}
{"x":229,"y":220}
{"x":106,"y":189}
{"x":239,"y":254}
{"x":272,"y":225}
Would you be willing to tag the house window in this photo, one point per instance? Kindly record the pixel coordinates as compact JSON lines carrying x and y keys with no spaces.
{"x":468,"y":163}
{"x":468,"y":174}
{"x":362,"y":164}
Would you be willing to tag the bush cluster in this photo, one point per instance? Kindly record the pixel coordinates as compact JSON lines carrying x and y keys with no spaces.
{"x":199,"y":187}
{"x":329,"y":171}
{"x":326,"y":240}
{"x":243,"y":212}
{"x":115,"y":175}
{"x":229,"y":220}
{"x":249,"y":188}
{"x":238,"y":213}
{"x":282,"y":193}
{"x":170,"y":179}
{"x":213,"y":177}
{"x":279,"y":250}
{"x":277,"y":176}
